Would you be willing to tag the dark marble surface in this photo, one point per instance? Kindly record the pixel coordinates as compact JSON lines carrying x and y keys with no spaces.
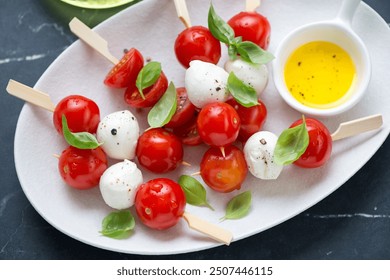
{"x":352,"y":223}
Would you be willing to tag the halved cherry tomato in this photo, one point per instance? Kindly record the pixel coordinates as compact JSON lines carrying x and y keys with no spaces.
{"x":252,"y":118}
{"x":159,"y":150}
{"x":82,"y":114}
{"x":197,"y":43}
{"x":160,"y":203}
{"x":82,"y":169}
{"x":185,"y":110}
{"x":188,"y":133}
{"x":320,"y":144}
{"x":125,"y":73}
{"x":218,"y":124}
{"x":252,"y":26}
{"x":152,"y":94}
{"x":223,"y":173}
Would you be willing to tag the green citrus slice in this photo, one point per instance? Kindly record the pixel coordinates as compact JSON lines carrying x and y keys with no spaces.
{"x":97,"y":4}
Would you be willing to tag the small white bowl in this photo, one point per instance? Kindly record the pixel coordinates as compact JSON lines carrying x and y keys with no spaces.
{"x":339,"y":32}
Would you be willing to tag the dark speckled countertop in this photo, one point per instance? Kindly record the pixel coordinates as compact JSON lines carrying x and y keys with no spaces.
{"x":351,"y":223}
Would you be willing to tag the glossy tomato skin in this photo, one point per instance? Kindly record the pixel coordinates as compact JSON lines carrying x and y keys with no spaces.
{"x":197,"y":43}
{"x":82,"y":114}
{"x":218,"y":124}
{"x":82,"y":169}
{"x":185,"y":110}
{"x":320,"y":144}
{"x":159,"y":150}
{"x":152,"y":94}
{"x":160,"y":203}
{"x":252,"y":26}
{"x":252,"y":118}
{"x":124,"y":74}
{"x":223,"y":174}
{"x":188,"y":133}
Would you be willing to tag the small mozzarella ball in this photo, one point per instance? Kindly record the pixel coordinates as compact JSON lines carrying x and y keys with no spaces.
{"x":259,"y":155}
{"x":119,"y":184}
{"x":255,"y":75}
{"x":206,"y":83}
{"x":119,"y":134}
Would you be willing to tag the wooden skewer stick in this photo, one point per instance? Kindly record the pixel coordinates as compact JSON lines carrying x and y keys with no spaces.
{"x":215,"y":232}
{"x":92,"y":39}
{"x":182,"y":12}
{"x":354,"y":127}
{"x":30,"y":95}
{"x":252,"y":5}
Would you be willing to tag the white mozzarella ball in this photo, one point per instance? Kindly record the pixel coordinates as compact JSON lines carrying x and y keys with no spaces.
{"x":206,"y":83}
{"x":259,"y":155}
{"x":119,"y":134}
{"x":255,"y":75}
{"x":119,"y":184}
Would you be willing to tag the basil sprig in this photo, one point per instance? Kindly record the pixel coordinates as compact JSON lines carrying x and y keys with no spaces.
{"x":164,"y":109}
{"x":118,"y":224}
{"x":80,"y":140}
{"x":291,"y":144}
{"x":148,"y":75}
{"x":243,"y":93}
{"x":238,"y":206}
{"x":248,"y":51}
{"x":194,"y":192}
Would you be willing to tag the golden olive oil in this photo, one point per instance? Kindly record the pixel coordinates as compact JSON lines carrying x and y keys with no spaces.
{"x":319,"y":74}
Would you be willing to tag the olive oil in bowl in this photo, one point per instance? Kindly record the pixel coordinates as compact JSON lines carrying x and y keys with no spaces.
{"x":319,"y":74}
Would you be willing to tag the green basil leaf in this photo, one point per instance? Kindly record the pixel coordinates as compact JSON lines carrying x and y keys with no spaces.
{"x":118,"y":224}
{"x":238,"y":206}
{"x":148,"y":75}
{"x":250,"y":52}
{"x":164,"y":109}
{"x":291,"y":144}
{"x":219,"y":28}
{"x":80,"y":140}
{"x":242,"y":92}
{"x":194,"y":191}
{"x":232,"y":52}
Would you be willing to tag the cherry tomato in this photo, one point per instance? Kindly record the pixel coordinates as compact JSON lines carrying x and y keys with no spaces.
{"x":218,"y":124}
{"x":152,"y":94}
{"x":82,"y":169}
{"x":197,"y":43}
{"x":252,"y":118}
{"x":125,"y":73}
{"x":252,"y":26}
{"x":320,"y":144}
{"x":159,"y":150}
{"x":223,"y":174}
{"x":188,"y":133}
{"x":160,"y":203}
{"x":185,"y":110}
{"x":82,"y":114}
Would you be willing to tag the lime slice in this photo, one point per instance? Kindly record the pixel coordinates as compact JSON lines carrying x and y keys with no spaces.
{"x":97,"y":4}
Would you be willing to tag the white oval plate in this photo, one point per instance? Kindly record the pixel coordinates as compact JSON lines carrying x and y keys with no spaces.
{"x":152,"y":27}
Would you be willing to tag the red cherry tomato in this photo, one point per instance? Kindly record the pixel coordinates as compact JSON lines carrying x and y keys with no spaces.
{"x":185,"y":110}
{"x":320,"y":144}
{"x":159,"y":150}
{"x":252,"y":26}
{"x":197,"y":43}
{"x":252,"y":118}
{"x":125,"y":73}
{"x":160,"y":203}
{"x":218,"y":124}
{"x":188,"y":133}
{"x":82,"y":114}
{"x":82,"y":169}
{"x":223,"y":174}
{"x":152,"y":94}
